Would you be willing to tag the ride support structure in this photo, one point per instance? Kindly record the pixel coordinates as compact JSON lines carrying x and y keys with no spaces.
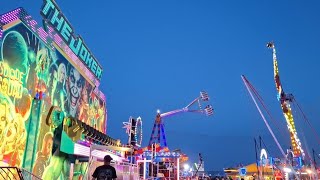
{"x":158,"y":134}
{"x":285,"y":100}
{"x":157,"y":153}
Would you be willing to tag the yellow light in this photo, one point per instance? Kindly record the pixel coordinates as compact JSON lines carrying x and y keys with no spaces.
{"x":11,"y":81}
{"x":309,"y":171}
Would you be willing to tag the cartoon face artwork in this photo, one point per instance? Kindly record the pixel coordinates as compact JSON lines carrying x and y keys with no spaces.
{"x":47,"y":143}
{"x":62,"y":73}
{"x":75,"y":85}
{"x":12,"y":133}
{"x":85,"y":96}
{"x":40,"y":85}
{"x":43,"y":62}
{"x":7,"y":116}
{"x":52,"y":81}
{"x":15,"y":52}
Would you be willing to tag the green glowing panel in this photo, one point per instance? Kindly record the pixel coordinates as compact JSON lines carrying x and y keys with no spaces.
{"x":67,"y":145}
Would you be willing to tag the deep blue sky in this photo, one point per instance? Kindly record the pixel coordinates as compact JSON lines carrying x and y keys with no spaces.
{"x":160,"y":54}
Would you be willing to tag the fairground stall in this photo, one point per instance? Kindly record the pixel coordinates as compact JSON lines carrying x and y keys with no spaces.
{"x":51,"y":108}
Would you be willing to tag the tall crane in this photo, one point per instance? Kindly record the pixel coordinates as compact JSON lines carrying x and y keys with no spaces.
{"x":158,"y":135}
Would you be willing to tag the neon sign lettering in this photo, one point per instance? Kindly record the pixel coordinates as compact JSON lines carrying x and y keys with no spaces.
{"x":53,"y":15}
{"x":10,"y":81}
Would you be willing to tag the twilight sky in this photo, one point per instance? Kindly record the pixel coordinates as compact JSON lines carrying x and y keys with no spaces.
{"x":161,"y":54}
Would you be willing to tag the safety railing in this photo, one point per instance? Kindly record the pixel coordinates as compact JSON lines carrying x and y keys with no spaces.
{"x":28,"y":175}
{"x":126,"y":171}
{"x":14,"y":173}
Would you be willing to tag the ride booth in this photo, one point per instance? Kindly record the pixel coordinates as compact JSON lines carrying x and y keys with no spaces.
{"x":162,"y":164}
{"x":88,"y":147}
{"x":287,"y":168}
{"x":125,"y":169}
{"x":51,"y":107}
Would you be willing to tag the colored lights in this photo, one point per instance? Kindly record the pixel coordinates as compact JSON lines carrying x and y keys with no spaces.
{"x":285,"y":100}
{"x":85,"y":151}
{"x":138,"y":132}
{"x":11,"y":16}
{"x":134,"y":130}
{"x":49,"y":37}
{"x":204,"y":96}
{"x":158,"y":135}
{"x":186,"y":167}
{"x":287,"y":170}
{"x":208,"y":110}
{"x":41,"y":82}
{"x":53,"y":15}
{"x":309,"y":171}
{"x":162,"y":154}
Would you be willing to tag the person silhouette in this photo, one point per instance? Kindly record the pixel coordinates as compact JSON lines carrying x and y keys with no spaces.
{"x":106,"y":171}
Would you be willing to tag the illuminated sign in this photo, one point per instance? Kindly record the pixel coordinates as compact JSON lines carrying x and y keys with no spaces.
{"x":56,"y":19}
{"x":263,"y":157}
{"x":242,"y":171}
{"x":10,"y":81}
{"x":263,"y":154}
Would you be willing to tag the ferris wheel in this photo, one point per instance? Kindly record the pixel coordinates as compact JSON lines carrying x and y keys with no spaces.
{"x":138,"y":132}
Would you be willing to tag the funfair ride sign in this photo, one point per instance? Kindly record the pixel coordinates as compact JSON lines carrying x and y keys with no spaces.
{"x":52,"y":14}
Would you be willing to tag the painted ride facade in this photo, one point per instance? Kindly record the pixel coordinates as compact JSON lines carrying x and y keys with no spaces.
{"x":52,"y":110}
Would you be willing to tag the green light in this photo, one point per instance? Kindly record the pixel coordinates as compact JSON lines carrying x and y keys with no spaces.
{"x":32,"y":56}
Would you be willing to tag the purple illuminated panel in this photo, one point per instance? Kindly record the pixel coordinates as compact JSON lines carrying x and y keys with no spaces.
{"x":1,"y":33}
{"x":99,"y":93}
{"x":58,"y":40}
{"x":33,"y":25}
{"x":51,"y":33}
{"x":43,"y":35}
{"x":10,"y":16}
{"x":82,"y":150}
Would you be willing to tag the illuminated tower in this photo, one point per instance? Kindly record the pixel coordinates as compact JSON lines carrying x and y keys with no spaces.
{"x":285,"y":100}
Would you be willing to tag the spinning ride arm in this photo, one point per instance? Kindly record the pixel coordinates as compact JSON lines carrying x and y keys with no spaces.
{"x":285,"y":100}
{"x":208,"y":110}
{"x":158,"y":127}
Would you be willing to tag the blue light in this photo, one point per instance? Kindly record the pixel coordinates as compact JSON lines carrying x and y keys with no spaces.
{"x":242,"y":171}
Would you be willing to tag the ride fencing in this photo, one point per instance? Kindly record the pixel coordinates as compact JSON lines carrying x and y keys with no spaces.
{"x":127,"y":171}
{"x":14,"y":173}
